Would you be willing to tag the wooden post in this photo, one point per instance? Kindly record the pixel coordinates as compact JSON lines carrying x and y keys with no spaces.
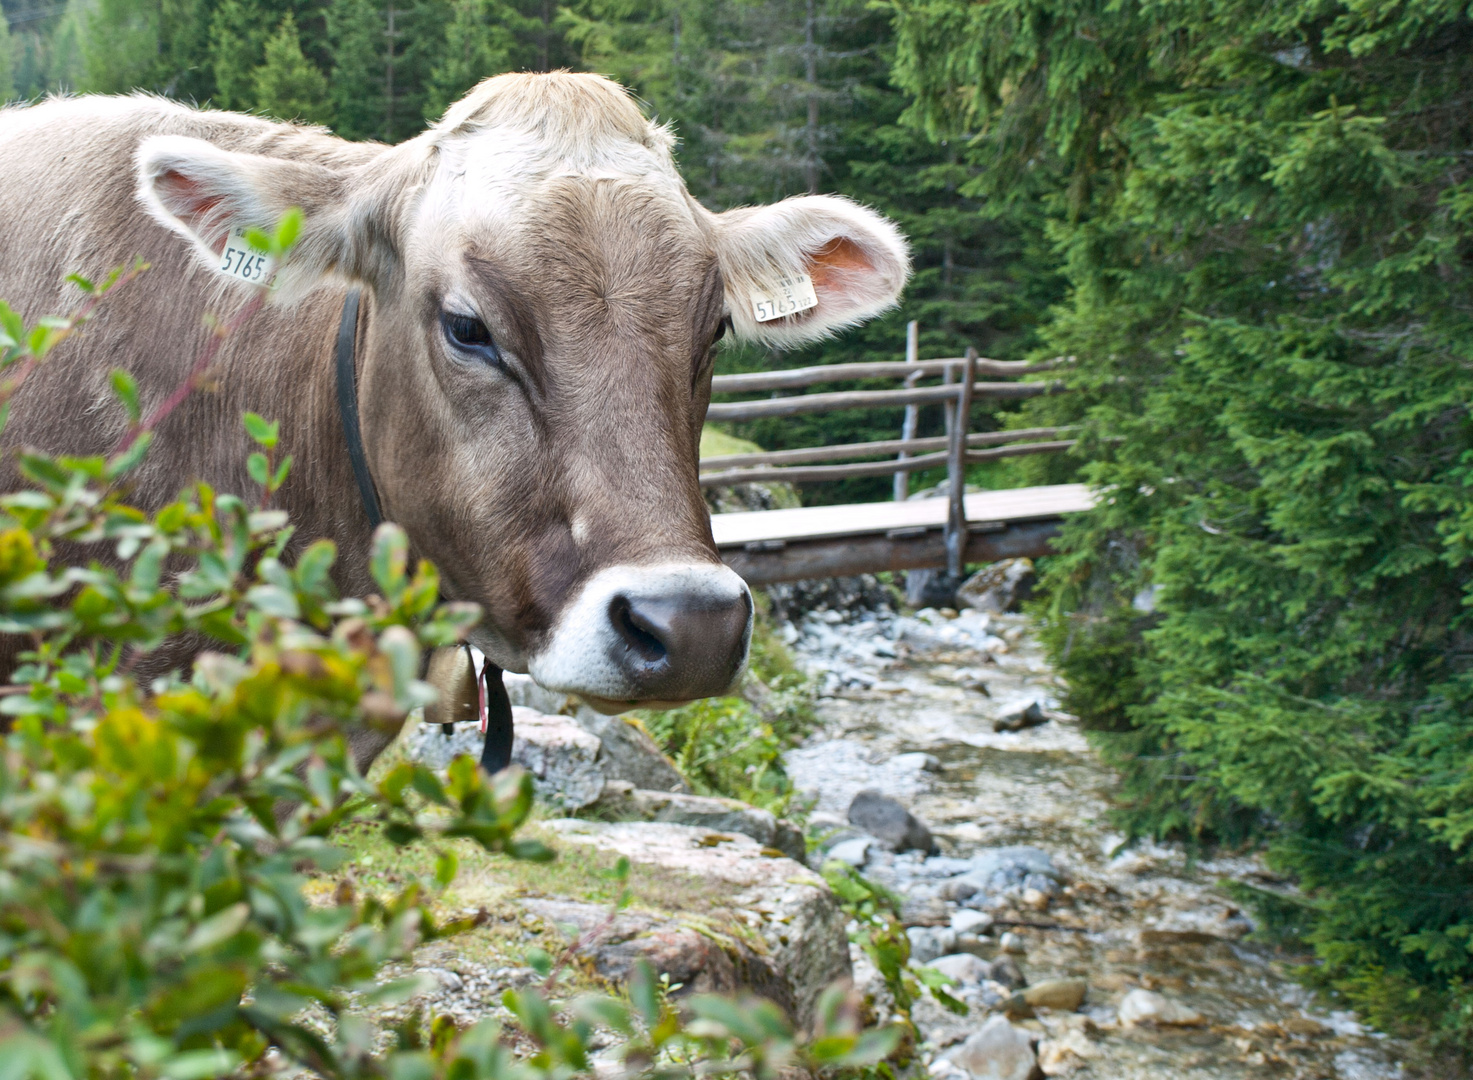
{"x":956,"y":472}
{"x":912,"y":412}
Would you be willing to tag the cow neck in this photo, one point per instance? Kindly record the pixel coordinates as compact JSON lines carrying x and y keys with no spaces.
{"x":495,"y":707}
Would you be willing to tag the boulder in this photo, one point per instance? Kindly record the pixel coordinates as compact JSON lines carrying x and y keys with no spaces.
{"x":963,"y":967}
{"x":697,"y":955}
{"x":622,"y":801}
{"x":930,"y":588}
{"x":889,"y":822}
{"x":998,"y":1051}
{"x":565,"y":761}
{"x":1001,"y":587}
{"x":968,"y":921}
{"x":1064,"y":994}
{"x":790,"y":917}
{"x":1150,"y":1009}
{"x":854,"y":851}
{"x":629,"y":753}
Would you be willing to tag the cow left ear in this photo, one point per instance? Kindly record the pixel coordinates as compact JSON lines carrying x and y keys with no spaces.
{"x":209,"y":196}
{"x":801,"y":269}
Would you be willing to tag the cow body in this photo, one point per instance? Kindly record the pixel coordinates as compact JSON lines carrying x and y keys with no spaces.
{"x":540,"y":298}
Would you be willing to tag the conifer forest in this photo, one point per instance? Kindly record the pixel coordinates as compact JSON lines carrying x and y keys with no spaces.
{"x":1251,"y":227}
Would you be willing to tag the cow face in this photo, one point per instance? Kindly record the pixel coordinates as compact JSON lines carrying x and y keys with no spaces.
{"x":544,"y":296}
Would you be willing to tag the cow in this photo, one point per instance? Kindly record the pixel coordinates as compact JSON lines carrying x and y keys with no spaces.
{"x":537,"y":296}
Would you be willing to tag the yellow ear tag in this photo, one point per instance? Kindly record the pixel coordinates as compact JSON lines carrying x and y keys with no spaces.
{"x":786,"y":296}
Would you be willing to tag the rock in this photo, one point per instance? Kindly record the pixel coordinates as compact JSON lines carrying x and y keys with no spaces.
{"x":1035,"y":898}
{"x":1146,"y":1007}
{"x":930,"y":588}
{"x":1023,"y":718}
{"x":630,"y":754}
{"x":1001,"y":587}
{"x":919,"y":761}
{"x":967,"y":921}
{"x":1305,"y":1026}
{"x":994,"y":870}
{"x":843,"y":595}
{"x":792,"y":909}
{"x":889,"y":822}
{"x":1011,"y":943}
{"x":998,"y":1051}
{"x":701,"y":958}
{"x":963,"y":967}
{"x":621,"y":801}
{"x":564,"y":760}
{"x":1005,"y":971}
{"x":927,"y":943}
{"x":854,"y":851}
{"x":1065,"y":994}
{"x":1066,"y":1051}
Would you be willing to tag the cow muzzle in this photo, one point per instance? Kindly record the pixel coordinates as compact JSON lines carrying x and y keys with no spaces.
{"x":637,"y":635}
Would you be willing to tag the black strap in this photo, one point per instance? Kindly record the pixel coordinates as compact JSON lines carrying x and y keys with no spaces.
{"x":348,"y":407}
{"x":496,"y":751}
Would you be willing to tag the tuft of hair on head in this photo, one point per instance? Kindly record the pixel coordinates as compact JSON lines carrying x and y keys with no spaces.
{"x":574,"y":112}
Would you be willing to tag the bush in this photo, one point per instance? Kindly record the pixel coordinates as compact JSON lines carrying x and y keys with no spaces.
{"x":156,"y":833}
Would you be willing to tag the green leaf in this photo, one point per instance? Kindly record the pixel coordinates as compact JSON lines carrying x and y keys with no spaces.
{"x":388,"y":560}
{"x":259,"y":468}
{"x":126,"y":389}
{"x":264,"y":432}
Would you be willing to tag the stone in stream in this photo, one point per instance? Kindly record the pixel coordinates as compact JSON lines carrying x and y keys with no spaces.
{"x":963,"y":967}
{"x":790,"y":907}
{"x":1146,"y":1007}
{"x":1065,"y":994}
{"x":927,"y":943}
{"x":1005,"y":970}
{"x":622,"y":801}
{"x":967,"y":921}
{"x":1032,"y":716}
{"x":998,"y":1051}
{"x":889,"y":822}
{"x":1001,"y":587}
{"x":854,"y":851}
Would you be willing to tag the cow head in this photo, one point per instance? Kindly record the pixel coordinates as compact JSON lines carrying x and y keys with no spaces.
{"x":545,"y":295}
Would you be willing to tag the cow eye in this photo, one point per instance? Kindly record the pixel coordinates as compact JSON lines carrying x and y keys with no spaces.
{"x":469,"y":334}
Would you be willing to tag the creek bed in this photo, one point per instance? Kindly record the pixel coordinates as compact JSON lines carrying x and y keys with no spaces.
{"x":908,"y":709}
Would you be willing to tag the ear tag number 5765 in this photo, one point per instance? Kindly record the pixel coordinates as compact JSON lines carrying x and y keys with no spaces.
{"x":244,"y":263}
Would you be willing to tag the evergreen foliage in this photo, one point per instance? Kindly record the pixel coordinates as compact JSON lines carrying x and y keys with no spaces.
{"x":1263,"y":212}
{"x":286,"y":84}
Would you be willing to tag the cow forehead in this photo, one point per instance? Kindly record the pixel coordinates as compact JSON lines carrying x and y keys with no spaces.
{"x":499,"y":179}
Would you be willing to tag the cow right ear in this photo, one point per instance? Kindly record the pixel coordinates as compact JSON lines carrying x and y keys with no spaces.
{"x":208,"y":195}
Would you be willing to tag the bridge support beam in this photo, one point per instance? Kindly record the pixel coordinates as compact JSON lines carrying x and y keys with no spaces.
{"x":799,"y":559}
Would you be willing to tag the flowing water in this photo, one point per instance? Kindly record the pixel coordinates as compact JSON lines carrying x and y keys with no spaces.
{"x":908,"y":708}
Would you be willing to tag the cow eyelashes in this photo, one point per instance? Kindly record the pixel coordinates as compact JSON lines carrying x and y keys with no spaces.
{"x":469,"y":334}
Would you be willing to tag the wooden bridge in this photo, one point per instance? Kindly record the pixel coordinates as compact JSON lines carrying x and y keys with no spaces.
{"x":768,"y":546}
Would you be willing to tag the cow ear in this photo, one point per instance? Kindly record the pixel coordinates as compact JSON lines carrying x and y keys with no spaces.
{"x":801,"y":269}
{"x":209,"y":196}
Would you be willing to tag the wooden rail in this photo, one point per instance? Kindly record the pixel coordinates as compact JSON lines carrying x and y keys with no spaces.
{"x":794,"y":378}
{"x":844,"y":451}
{"x":873,"y":399}
{"x":775,"y":552}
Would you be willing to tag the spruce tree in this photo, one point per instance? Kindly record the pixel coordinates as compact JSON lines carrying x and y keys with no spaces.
{"x":7,"y":63}
{"x":355,"y":31}
{"x":477,"y":44}
{"x":287,"y":85}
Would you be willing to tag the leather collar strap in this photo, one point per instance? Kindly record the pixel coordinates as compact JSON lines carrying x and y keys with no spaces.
{"x":496,"y":719}
{"x":348,"y":407}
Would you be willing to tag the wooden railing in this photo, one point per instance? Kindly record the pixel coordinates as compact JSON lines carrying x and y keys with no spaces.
{"x":957,"y":391}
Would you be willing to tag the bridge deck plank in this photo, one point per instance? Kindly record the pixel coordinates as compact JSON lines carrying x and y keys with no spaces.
{"x":864,"y":519}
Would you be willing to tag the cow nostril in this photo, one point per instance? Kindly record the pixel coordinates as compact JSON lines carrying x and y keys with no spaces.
{"x":636,"y":631}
